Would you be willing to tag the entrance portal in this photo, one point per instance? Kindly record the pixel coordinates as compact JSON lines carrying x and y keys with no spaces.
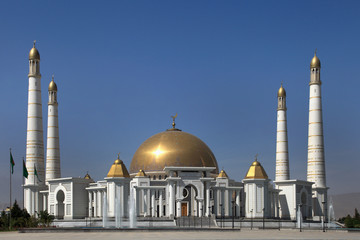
{"x":60,"y":197}
{"x":189,"y":204}
{"x":184,"y":209}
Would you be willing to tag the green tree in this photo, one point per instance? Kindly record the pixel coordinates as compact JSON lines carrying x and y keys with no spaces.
{"x":349,"y":221}
{"x":45,"y":218}
{"x":357,"y":215}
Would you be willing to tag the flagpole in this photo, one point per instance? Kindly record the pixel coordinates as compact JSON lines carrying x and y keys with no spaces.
{"x":10,"y":191}
{"x":23,"y":181}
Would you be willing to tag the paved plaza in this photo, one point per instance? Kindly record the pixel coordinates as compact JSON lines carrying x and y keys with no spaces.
{"x":246,"y":234}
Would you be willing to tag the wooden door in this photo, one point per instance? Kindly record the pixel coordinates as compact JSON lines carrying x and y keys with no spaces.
{"x":184,"y":211}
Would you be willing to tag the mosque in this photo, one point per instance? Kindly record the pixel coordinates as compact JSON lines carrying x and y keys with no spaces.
{"x":173,"y":173}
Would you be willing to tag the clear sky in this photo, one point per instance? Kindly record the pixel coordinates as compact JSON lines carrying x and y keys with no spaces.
{"x":123,"y":67}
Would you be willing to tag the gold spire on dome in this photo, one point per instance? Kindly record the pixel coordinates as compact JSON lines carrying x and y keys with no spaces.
{"x":173,"y":124}
{"x":34,"y":53}
{"x":315,"y":62}
{"x":222,"y":174}
{"x":256,"y":171}
{"x":141,"y":173}
{"x":52,"y":85}
{"x":118,"y":169}
{"x":87,"y":176}
{"x":281,"y":92}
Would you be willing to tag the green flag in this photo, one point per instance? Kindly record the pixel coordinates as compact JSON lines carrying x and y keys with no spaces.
{"x":12,"y":163}
{"x":25,"y":171}
{"x":36,"y":174}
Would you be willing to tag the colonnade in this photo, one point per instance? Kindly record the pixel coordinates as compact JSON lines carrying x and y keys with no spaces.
{"x":151,"y":201}
{"x":96,"y":201}
{"x":223,"y":201}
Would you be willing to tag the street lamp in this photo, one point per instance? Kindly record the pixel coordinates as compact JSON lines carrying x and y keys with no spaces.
{"x":201,"y":210}
{"x":251,"y":218}
{"x":221,"y":215}
{"x":299,"y":215}
{"x":233,"y":211}
{"x":209,"y":215}
{"x":279,"y":217}
{"x":323,"y":211}
{"x":263,"y":218}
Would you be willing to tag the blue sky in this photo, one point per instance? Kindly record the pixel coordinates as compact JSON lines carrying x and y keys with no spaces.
{"x":123,"y":67}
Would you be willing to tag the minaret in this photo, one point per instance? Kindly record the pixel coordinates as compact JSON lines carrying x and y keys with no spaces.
{"x":34,"y":139}
{"x":282,"y":154}
{"x":316,"y":159}
{"x":53,"y":148}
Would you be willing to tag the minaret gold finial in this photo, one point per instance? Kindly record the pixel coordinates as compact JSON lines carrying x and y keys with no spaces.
{"x":119,"y":155}
{"x":315,"y":51}
{"x":34,"y":43}
{"x":256,"y":156}
{"x":173,"y":117}
{"x":52,"y":77}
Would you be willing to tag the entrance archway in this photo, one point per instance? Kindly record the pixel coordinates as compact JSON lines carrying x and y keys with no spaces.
{"x":189,"y":206}
{"x":60,"y":197}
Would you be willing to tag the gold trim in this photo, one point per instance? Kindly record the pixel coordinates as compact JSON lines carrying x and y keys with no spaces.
{"x":314,"y":122}
{"x":35,"y":130}
{"x":34,"y":104}
{"x":315,"y":135}
{"x":315,"y":97}
{"x":314,"y":110}
{"x":34,"y":90}
{"x":34,"y":75}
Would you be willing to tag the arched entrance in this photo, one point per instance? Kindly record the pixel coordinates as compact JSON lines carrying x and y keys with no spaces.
{"x":60,"y":197}
{"x":189,"y":206}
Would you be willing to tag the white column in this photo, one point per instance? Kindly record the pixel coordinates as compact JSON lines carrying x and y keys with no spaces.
{"x":229,"y":202}
{"x":100,"y":202}
{"x":178,"y":208}
{"x":122,"y":201}
{"x":282,"y":153}
{"x":161,"y":203}
{"x":148,"y":199}
{"x":201,"y":208}
{"x":53,"y":146}
{"x":90,"y":203}
{"x":207,"y":200}
{"x":171,"y":199}
{"x":237,"y":203}
{"x":153,"y":203}
{"x":34,"y":137}
{"x":96,"y":204}
{"x":316,"y":160}
{"x":45,"y":202}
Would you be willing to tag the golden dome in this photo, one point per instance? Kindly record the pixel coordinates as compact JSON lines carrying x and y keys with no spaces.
{"x":281,"y":92}
{"x":141,"y":173}
{"x":52,"y":86}
{"x":222,"y":174}
{"x":34,"y":53}
{"x":87,"y":176}
{"x":118,"y":169}
{"x":172,"y":148}
{"x":315,"y":62}
{"x":256,"y":171}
